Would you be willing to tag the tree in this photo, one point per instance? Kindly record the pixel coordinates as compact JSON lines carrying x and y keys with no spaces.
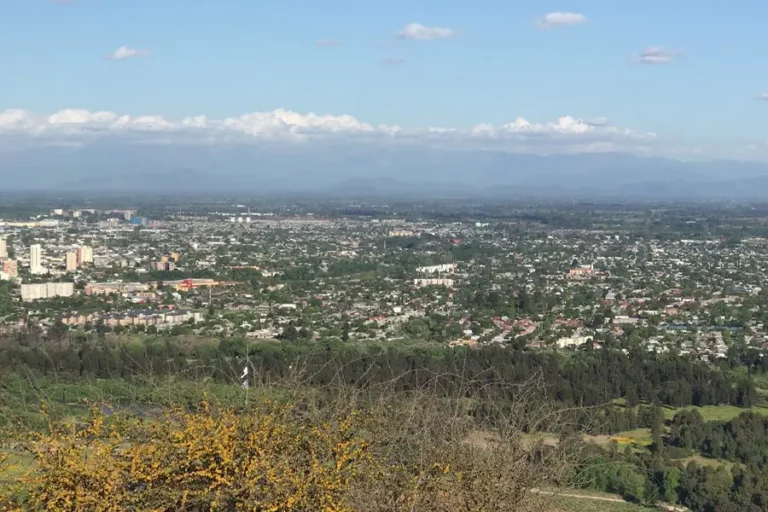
{"x":657,"y":428}
{"x":670,"y":483}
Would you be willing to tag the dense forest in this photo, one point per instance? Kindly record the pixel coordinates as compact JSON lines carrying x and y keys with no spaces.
{"x":589,"y":378}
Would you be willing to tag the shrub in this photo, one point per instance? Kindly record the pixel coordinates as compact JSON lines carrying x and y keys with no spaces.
{"x":314,"y":450}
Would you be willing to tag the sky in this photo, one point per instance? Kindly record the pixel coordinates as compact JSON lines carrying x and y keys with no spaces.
{"x":680,"y":78}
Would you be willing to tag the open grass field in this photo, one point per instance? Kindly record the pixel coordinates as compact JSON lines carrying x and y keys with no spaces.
{"x":708,"y":412}
{"x":705,"y":461}
{"x":717,"y":412}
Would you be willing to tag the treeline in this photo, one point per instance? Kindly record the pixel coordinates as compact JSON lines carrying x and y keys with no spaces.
{"x":743,"y":439}
{"x":646,"y":478}
{"x":582,"y":379}
{"x":661,"y":472}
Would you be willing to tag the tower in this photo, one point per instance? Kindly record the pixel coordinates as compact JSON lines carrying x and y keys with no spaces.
{"x":84,"y":255}
{"x":35,"y":259}
{"x":71,"y":261}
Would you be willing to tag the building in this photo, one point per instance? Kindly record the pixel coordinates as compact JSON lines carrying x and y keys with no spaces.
{"x":576,"y":340}
{"x":108,"y":288}
{"x":163,"y":266}
{"x":3,"y":248}
{"x":35,"y":259}
{"x":71,"y":261}
{"x":30,"y":292}
{"x":436,"y":269}
{"x":11,"y":268}
{"x":189,"y":284}
{"x":84,"y":255}
{"x":581,"y":272}
{"x":109,"y":224}
{"x":402,"y":233}
{"x":143,"y":317}
{"x":433,"y":282}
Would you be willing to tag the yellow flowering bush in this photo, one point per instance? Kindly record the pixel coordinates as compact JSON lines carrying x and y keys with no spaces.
{"x":335,"y":454}
{"x":268,"y":460}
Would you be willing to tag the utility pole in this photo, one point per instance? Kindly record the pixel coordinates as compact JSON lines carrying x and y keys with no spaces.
{"x":244,"y":377}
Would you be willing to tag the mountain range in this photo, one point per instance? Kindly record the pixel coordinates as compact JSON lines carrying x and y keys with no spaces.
{"x":348,"y":170}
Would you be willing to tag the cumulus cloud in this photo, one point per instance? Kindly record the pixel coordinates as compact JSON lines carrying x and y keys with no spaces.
{"x":657,"y":55}
{"x":125,"y":52}
{"x":423,"y":33}
{"x":327,"y":43}
{"x":598,"y":121}
{"x":78,"y":126}
{"x":561,"y":19}
{"x":763,"y":96}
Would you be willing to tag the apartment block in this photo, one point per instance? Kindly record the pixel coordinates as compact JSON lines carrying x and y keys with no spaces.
{"x":30,"y":292}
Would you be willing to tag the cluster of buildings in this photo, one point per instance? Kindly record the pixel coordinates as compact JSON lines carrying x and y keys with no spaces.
{"x":291,"y":274}
{"x":445,"y":268}
{"x":79,"y":257}
{"x":139,"y":288}
{"x":132,"y":318}
{"x":167,"y":263}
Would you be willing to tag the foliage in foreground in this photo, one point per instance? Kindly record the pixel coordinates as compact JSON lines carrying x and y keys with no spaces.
{"x":397,"y":453}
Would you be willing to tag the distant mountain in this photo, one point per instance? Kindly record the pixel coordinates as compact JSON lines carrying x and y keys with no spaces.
{"x":353,"y":170}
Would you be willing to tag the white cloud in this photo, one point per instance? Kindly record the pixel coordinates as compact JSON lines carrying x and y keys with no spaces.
{"x":657,"y":55}
{"x":424,"y":33}
{"x":70,"y":126}
{"x":763,"y":96}
{"x":125,"y":52}
{"x":598,"y":121}
{"x":560,"y":19}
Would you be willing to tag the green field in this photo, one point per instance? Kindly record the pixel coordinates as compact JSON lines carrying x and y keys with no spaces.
{"x":717,"y":412}
{"x":705,"y":461}
{"x":708,"y":412}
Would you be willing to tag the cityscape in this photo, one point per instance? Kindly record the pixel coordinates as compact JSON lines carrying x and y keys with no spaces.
{"x":391,"y":274}
{"x":425,"y":256}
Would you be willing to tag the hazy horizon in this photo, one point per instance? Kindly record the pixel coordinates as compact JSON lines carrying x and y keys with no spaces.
{"x":110,"y":96}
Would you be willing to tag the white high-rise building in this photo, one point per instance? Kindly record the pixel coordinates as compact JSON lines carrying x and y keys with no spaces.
{"x":35,"y":259}
{"x":71,"y":261}
{"x":84,"y":255}
{"x":3,"y":248}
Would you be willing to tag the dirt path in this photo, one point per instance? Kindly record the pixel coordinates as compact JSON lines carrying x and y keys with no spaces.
{"x":578,"y":496}
{"x":662,"y":506}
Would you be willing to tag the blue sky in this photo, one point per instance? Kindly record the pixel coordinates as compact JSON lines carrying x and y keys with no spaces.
{"x":226,"y":58}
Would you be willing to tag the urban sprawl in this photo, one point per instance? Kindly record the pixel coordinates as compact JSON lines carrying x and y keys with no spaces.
{"x":385,"y":275}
